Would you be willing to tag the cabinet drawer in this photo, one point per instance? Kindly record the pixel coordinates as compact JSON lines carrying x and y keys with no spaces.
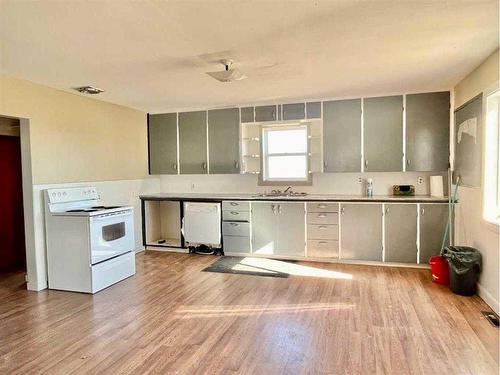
{"x":322,"y":218}
{"x":322,"y":207}
{"x":322,"y":232}
{"x":234,"y":215}
{"x":235,"y":206}
{"x":235,"y":244}
{"x":322,"y":249}
{"x":231,"y":228}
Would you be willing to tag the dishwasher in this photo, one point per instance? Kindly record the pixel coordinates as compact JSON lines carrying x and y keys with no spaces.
{"x":201,"y":226}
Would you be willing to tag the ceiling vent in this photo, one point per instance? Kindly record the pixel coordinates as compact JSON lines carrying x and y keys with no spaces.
{"x":89,"y":90}
{"x":229,"y":74}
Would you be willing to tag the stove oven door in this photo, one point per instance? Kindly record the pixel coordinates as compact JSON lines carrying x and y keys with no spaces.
{"x":111,"y":235}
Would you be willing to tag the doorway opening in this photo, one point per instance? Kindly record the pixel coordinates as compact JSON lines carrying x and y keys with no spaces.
{"x":12,"y":230}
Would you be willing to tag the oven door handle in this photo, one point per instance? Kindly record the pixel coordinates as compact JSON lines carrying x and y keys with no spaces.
{"x":111,"y":216}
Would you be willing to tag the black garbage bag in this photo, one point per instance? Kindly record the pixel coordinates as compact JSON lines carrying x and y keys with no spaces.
{"x":465,"y":265}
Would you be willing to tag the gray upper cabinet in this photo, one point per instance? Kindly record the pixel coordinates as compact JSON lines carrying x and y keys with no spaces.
{"x":401,"y":233}
{"x":383,"y":134}
{"x":342,"y":135}
{"x":313,"y":110}
{"x":468,"y":142}
{"x":280,"y":112}
{"x":361,"y":231}
{"x":433,"y":219}
{"x":265,"y":113}
{"x":278,"y":229}
{"x":247,"y":114}
{"x":295,"y":111}
{"x":162,"y":129}
{"x":223,"y":140}
{"x":428,"y":131}
{"x":193,"y":142}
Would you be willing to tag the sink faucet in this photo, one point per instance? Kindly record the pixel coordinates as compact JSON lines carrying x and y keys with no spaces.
{"x":287,"y":190}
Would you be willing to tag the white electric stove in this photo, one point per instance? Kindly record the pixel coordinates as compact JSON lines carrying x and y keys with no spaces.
{"x":90,"y":246}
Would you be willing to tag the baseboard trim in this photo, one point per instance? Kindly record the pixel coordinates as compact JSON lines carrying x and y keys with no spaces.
{"x":36,"y":287}
{"x":488,"y":298}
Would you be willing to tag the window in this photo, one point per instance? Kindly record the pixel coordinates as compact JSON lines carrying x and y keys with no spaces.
{"x":491,"y":194}
{"x":285,"y":153}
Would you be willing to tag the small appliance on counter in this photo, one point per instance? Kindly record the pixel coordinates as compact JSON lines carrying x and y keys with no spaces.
{"x":403,"y":190}
{"x":89,"y":246}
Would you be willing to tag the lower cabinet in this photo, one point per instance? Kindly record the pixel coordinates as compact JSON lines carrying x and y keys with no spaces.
{"x":361,"y":231}
{"x":236,"y":244}
{"x":278,"y":229}
{"x":368,"y":231}
{"x":433,"y":219}
{"x":236,"y":227}
{"x":400,"y":224}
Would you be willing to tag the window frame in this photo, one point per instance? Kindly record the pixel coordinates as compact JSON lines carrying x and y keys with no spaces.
{"x":491,"y":179}
{"x":263,"y":177}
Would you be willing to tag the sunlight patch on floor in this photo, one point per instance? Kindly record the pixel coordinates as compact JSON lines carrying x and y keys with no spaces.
{"x":264,"y":265}
{"x":189,"y":312}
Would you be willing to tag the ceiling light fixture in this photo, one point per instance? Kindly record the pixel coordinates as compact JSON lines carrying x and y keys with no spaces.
{"x":88,"y":90}
{"x":229,"y":74}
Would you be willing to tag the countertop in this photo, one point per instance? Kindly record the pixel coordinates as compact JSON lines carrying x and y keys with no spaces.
{"x":309,"y":197}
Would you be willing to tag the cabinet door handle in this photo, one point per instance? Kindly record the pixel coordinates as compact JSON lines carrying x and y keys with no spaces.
{"x":422,"y":211}
{"x":236,"y":165}
{"x":204,"y":166}
{"x":325,"y":164}
{"x":322,"y":243}
{"x":322,"y":227}
{"x":279,"y":208}
{"x":174,"y":165}
{"x":342,"y":210}
{"x":273,"y":207}
{"x":366,"y":163}
{"x":234,"y":204}
{"x":235,"y":213}
{"x":321,"y":205}
{"x":386,"y":210}
{"x":408,"y":162}
{"x":234,"y":224}
{"x":322,"y":215}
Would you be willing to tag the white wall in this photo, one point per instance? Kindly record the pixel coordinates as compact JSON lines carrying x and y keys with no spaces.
{"x":470,"y":227}
{"x":122,"y":192}
{"x":323,"y":183}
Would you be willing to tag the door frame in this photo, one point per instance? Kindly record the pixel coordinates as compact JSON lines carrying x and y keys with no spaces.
{"x":34,"y":264}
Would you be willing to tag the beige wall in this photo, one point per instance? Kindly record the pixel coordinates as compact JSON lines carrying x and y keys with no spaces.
{"x":471,"y":228}
{"x":76,"y":138}
{"x":478,"y":80}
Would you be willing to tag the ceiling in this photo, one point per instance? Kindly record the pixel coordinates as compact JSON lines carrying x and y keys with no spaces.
{"x":153,"y":55}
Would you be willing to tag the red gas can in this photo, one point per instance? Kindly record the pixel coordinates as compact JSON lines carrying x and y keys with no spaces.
{"x":439,"y":270}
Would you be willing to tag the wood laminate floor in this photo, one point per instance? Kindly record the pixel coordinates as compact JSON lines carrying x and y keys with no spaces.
{"x":171,"y":318}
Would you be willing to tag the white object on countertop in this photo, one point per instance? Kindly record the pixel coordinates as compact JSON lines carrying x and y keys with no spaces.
{"x":437,"y":186}
{"x":369,"y":188}
{"x":202,"y":224}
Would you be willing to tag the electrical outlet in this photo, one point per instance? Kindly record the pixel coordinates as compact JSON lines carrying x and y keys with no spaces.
{"x":420,"y":180}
